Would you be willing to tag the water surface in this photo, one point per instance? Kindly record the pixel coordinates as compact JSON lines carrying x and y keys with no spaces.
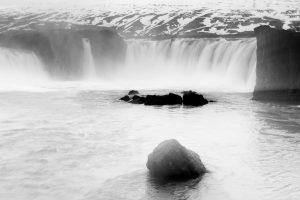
{"x":87,"y":145}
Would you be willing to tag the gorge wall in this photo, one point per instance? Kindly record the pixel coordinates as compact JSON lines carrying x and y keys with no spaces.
{"x":278,"y":63}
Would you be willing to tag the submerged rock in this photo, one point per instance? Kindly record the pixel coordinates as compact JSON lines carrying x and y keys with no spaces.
{"x":170,"y":99}
{"x":133,"y":92}
{"x":137,"y":100}
{"x":191,"y":98}
{"x":172,"y":161}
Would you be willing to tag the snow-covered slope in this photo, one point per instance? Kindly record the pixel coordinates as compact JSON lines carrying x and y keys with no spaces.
{"x":149,"y":20}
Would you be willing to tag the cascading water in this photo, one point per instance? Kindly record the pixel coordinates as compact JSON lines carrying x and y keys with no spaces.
{"x":208,"y":64}
{"x":20,"y":70}
{"x":88,"y":60}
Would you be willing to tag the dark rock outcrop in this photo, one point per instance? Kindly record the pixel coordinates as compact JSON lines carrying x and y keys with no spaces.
{"x":62,"y":50}
{"x":191,"y":98}
{"x":170,"y":160}
{"x":278,"y":63}
{"x":170,"y":99}
{"x":125,"y":98}
{"x":287,"y":96}
{"x":133,"y":92}
{"x":137,"y":100}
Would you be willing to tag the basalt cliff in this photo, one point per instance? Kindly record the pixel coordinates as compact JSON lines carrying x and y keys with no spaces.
{"x":278,"y":64}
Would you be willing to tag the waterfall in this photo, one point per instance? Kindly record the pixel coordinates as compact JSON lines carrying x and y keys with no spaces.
{"x":20,"y":69}
{"x":208,"y":64}
{"x":88,"y":62}
{"x":204,"y":64}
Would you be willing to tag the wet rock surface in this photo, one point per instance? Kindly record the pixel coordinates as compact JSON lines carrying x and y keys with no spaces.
{"x":137,"y":100}
{"x":170,"y":99}
{"x":125,"y":98}
{"x":133,"y":92}
{"x":172,"y":161}
{"x":190,"y":98}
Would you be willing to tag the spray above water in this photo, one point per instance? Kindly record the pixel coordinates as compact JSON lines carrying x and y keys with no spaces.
{"x":204,"y":64}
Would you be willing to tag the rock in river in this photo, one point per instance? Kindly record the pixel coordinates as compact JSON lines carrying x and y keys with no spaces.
{"x":172,"y":161}
{"x":191,"y":98}
{"x":170,"y":99}
{"x":133,"y":92}
{"x":125,"y":98}
{"x":137,"y":100}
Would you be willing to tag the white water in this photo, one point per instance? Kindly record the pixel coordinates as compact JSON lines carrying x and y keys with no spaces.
{"x":88,"y":60}
{"x":206,"y":64}
{"x":20,"y":70}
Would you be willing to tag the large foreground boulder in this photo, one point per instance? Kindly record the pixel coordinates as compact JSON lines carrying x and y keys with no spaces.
{"x":172,"y":161}
{"x":191,"y":98}
{"x":170,"y":99}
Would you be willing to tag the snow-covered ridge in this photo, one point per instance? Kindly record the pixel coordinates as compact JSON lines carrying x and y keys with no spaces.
{"x":156,"y":19}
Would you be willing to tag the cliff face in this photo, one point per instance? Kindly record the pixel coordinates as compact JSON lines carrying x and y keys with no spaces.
{"x":62,"y":50}
{"x":278,"y":61}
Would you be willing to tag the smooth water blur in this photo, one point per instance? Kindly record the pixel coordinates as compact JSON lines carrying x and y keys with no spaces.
{"x":223,"y":65}
{"x":88,"y":145}
{"x":210,"y":64}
